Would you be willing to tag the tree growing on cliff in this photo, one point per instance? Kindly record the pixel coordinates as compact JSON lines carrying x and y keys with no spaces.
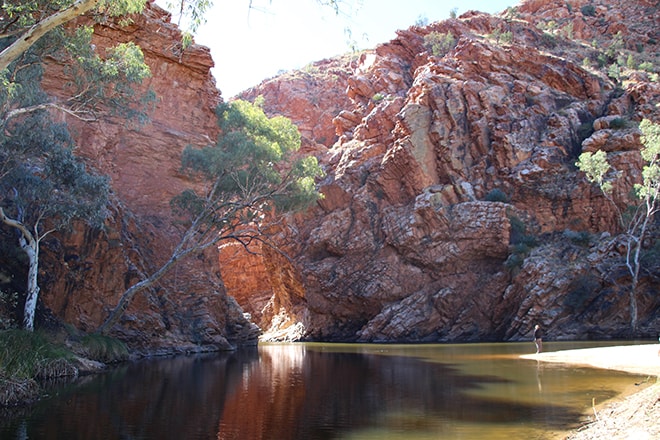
{"x":250,"y":178}
{"x":637,"y":220}
{"x":44,"y":188}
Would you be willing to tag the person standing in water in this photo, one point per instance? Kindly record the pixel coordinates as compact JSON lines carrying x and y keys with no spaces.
{"x":538,"y":338}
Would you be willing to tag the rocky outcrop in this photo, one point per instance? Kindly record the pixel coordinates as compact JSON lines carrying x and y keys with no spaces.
{"x":453,"y":210}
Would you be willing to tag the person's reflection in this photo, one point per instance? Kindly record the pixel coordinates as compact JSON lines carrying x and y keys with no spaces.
{"x":539,"y":371}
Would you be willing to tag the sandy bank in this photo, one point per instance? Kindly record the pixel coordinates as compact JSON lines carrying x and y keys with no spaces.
{"x":636,"y":359}
{"x":633,"y":418}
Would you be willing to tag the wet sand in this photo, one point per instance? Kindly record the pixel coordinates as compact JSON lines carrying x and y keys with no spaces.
{"x":641,"y":359}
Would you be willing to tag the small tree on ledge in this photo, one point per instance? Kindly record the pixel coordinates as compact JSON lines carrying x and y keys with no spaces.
{"x":637,"y":220}
{"x":249,"y":177}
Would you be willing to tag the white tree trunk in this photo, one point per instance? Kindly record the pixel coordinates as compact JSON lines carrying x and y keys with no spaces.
{"x":30,"y":244}
{"x":31,"y":248}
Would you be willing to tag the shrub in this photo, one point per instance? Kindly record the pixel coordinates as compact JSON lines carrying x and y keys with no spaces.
{"x":650,"y":258}
{"x":618,"y":123}
{"x":502,"y":37}
{"x":585,"y":130}
{"x":439,"y":44}
{"x":581,"y":238}
{"x":378,"y":97}
{"x":614,"y":72}
{"x":646,"y":66}
{"x":588,"y":10}
{"x":521,"y":243}
{"x":496,"y":195}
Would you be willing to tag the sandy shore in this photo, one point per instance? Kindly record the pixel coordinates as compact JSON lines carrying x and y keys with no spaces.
{"x":636,"y":416}
{"x":636,"y":359}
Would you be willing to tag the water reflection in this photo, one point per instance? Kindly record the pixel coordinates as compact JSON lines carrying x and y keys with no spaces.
{"x":300,"y":391}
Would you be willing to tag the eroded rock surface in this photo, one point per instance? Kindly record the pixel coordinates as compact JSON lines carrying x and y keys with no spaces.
{"x":406,"y":245}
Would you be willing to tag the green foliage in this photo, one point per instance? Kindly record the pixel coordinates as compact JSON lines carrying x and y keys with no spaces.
{"x":499,"y":36}
{"x":615,"y":46}
{"x":422,"y":20}
{"x":582,"y":238}
{"x":650,"y":186}
{"x":521,"y":243}
{"x":439,"y":44}
{"x":595,"y":166}
{"x":104,"y":348}
{"x":378,"y":97}
{"x":109,"y":83}
{"x":497,"y":195}
{"x":636,"y":220}
{"x":618,"y":123}
{"x":44,"y":180}
{"x":614,"y":72}
{"x":646,"y":66}
{"x":191,"y":13}
{"x":588,"y":10}
{"x":98,"y":84}
{"x":585,"y":130}
{"x":25,"y":355}
{"x":252,"y":167}
{"x":650,"y":257}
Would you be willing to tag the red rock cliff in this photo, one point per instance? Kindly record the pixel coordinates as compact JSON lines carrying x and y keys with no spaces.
{"x":453,"y":210}
{"x":452,"y":206}
{"x":84,"y":274}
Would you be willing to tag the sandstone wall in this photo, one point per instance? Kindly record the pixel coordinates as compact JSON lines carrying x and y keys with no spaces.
{"x":84,"y":273}
{"x":405,"y":245}
{"x":409,"y":243}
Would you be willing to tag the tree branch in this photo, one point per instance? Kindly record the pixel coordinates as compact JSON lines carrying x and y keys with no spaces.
{"x":41,"y":28}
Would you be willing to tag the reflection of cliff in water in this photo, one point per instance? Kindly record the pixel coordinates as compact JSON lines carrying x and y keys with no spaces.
{"x":279,"y":392}
{"x":295,"y":392}
{"x":177,"y":398}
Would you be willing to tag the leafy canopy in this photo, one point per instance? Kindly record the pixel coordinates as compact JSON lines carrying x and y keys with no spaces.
{"x":252,"y":165}
{"x":43,"y":180}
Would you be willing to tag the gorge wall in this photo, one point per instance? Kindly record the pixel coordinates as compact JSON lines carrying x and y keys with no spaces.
{"x":452,"y":208}
{"x":83,"y":274}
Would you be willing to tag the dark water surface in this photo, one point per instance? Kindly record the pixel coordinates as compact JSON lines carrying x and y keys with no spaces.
{"x":327,"y":391}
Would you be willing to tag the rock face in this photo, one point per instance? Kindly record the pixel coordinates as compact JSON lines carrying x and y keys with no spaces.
{"x":84,"y":273}
{"x":453,"y":210}
{"x":452,"y":207}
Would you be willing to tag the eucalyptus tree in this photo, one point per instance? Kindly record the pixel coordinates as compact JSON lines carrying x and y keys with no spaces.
{"x":249,"y":179}
{"x":44,"y":188}
{"x":636,"y":220}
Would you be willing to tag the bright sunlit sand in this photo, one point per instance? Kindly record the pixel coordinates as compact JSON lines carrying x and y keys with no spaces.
{"x":636,"y":359}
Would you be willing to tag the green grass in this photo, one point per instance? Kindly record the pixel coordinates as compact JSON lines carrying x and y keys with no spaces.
{"x":24,"y":358}
{"x":27,"y":355}
{"x":103,"y":348}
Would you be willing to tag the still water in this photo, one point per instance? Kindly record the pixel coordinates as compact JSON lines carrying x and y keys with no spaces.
{"x":327,"y":391}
